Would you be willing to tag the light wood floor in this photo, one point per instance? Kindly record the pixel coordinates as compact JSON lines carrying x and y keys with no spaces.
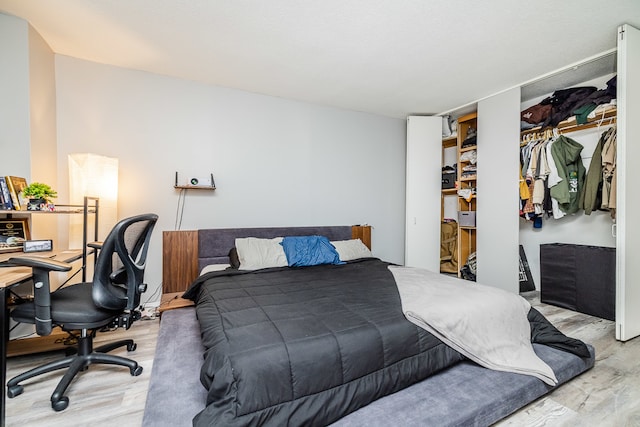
{"x":607,"y":395}
{"x":101,"y":396}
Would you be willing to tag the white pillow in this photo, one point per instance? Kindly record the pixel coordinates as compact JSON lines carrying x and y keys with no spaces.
{"x":214,"y":267}
{"x":255,"y":253}
{"x":352,"y":249}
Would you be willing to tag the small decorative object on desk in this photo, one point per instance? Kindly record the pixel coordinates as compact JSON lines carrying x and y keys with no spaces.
{"x":13,"y":233}
{"x":39,"y":196}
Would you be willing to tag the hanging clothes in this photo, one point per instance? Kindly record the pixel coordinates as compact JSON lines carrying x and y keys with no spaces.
{"x":566,"y":154}
{"x":552,"y":180}
{"x":591,"y":194}
{"x":609,"y":149}
{"x":541,"y":173}
{"x":528,"y":208}
{"x":524,"y":188}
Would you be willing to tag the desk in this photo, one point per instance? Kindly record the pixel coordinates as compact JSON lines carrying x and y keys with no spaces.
{"x":11,"y":276}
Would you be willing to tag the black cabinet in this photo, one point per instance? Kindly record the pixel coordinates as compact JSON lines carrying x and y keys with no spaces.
{"x":579,"y":277}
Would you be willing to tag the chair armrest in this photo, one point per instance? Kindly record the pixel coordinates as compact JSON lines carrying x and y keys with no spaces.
{"x":39,"y":262}
{"x":95,"y":245}
{"x":41,"y":289}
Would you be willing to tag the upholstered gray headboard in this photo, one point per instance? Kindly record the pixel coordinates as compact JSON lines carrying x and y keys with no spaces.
{"x":186,"y":252}
{"x":214,"y":244}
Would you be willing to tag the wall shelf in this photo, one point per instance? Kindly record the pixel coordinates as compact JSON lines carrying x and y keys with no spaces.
{"x":194,"y":187}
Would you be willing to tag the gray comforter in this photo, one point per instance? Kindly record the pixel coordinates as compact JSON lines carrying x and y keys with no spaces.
{"x":486,"y":324}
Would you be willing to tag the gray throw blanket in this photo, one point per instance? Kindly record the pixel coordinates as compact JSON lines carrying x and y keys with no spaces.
{"x":488,"y":325}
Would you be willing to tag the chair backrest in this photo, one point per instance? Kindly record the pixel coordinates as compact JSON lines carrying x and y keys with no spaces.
{"x":118,"y":278}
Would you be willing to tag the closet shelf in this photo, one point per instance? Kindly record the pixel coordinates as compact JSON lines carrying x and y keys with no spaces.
{"x":570,"y":125}
{"x":471,"y":147}
{"x":450,"y":141}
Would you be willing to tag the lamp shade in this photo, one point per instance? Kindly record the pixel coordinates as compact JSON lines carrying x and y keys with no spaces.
{"x":93,"y":175}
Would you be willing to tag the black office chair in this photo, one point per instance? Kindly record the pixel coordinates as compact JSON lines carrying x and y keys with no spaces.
{"x":110,"y":301}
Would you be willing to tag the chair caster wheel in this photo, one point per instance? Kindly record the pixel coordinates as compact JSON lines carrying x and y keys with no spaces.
{"x":60,"y":405}
{"x":15,"y":390}
{"x":132,"y":347}
{"x":137,"y":371}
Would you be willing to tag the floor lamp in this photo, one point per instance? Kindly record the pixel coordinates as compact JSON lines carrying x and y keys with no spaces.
{"x":93,"y":175}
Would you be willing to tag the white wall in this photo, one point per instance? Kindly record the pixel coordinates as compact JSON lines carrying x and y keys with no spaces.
{"x":42,"y":106}
{"x":14,"y":96}
{"x":42,"y":126}
{"x":276,"y":162}
{"x":27,"y":112}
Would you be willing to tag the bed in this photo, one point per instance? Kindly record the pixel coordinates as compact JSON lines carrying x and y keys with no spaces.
{"x":302,"y":346}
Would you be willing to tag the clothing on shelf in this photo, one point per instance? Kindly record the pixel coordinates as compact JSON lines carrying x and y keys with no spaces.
{"x":471,"y":138}
{"x":577,"y":103}
{"x":469,"y":156}
{"x":469,"y":171}
{"x":535,"y":115}
{"x":564,"y":101}
{"x":599,"y":97}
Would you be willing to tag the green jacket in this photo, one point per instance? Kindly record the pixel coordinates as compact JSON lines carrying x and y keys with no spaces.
{"x":590,"y":197}
{"x":566,"y":155}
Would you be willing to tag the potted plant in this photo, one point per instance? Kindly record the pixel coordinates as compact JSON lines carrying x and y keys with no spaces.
{"x":39,"y":195}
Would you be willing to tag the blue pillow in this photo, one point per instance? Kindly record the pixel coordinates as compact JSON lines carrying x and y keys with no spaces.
{"x":309,"y":250}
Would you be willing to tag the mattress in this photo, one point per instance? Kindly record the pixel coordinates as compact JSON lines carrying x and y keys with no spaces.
{"x":463,"y":394}
{"x":306,"y":346}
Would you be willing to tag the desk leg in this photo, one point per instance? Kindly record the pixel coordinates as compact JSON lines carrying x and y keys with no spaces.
{"x":3,"y":351}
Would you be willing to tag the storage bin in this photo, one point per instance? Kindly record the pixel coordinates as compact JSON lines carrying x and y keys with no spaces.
{"x":579,"y":277}
{"x":448,"y":180}
{"x":467,"y":218}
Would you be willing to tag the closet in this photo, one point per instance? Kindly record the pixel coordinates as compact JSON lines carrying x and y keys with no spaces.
{"x":497,"y":222}
{"x":571,"y":255}
{"x":579,"y":228}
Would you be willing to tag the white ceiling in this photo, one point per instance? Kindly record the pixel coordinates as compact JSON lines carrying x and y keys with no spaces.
{"x":389,"y":57}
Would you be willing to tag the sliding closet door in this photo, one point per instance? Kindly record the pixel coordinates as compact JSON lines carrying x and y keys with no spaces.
{"x":497,"y":210}
{"x":628,"y":201}
{"x":424,"y":177}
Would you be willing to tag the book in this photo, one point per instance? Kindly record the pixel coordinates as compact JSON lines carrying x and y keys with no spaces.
{"x":6,"y":202}
{"x":16,"y":184}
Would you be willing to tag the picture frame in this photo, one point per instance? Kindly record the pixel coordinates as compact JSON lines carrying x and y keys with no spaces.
{"x":13,"y":233}
{"x":38,"y":245}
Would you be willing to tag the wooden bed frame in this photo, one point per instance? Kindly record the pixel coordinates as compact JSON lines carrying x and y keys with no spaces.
{"x":464,"y":394}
